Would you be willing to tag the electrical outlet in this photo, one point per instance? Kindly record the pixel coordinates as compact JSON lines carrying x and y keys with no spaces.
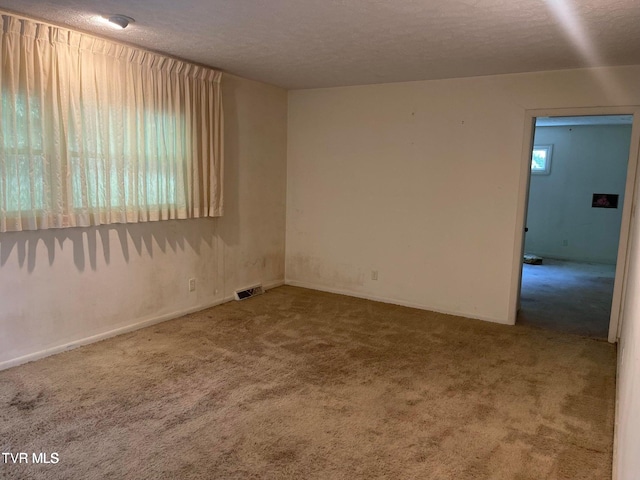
{"x":565,"y":243}
{"x":374,"y":274}
{"x":192,"y":284}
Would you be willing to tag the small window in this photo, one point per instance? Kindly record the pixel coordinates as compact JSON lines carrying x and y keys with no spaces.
{"x":541,"y":159}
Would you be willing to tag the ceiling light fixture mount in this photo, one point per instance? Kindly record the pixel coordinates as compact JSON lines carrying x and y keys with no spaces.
{"x":120,"y":21}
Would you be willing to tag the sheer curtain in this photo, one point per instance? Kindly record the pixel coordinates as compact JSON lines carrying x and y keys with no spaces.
{"x":96,"y":132}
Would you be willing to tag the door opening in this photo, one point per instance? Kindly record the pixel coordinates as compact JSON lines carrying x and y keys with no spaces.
{"x":573,"y":219}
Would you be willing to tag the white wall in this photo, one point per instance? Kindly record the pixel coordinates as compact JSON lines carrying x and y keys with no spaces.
{"x":420,"y":181}
{"x":627,"y":431}
{"x":60,"y":287}
{"x":585,"y":160}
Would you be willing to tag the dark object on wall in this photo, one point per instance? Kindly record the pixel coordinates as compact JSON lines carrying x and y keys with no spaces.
{"x":604,"y":200}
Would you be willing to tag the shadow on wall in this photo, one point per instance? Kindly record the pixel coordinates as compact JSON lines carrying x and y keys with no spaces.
{"x":85,"y":241}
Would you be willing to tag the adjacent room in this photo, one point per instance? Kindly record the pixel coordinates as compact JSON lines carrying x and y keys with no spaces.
{"x":572,"y":233}
{"x":286,"y":239}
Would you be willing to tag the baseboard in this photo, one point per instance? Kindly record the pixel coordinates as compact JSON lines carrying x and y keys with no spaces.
{"x":552,"y":256}
{"x":271,"y":285}
{"x":14,"y":362}
{"x":393,"y":301}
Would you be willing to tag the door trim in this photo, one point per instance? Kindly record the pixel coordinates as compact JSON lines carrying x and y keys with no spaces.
{"x":628,"y":208}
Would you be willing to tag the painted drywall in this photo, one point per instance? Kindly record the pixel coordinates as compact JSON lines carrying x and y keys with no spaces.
{"x":420,"y":182}
{"x":627,"y":432}
{"x":585,"y":160}
{"x":64,"y":287}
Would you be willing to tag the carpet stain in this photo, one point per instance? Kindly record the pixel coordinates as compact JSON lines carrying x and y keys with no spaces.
{"x":25,"y":402}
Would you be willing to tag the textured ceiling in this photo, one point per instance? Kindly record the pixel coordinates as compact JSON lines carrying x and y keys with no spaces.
{"x":311,"y":43}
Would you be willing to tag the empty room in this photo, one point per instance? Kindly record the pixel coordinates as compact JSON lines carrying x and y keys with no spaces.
{"x":285,"y":239}
{"x":572,"y":232}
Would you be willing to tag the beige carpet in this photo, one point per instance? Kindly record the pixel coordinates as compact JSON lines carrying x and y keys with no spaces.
{"x":297,"y":384}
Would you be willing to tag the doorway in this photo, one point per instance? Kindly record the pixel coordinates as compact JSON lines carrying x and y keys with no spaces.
{"x":575,"y":210}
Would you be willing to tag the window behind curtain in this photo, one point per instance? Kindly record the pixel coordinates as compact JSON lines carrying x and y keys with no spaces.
{"x":23,"y":161}
{"x":95,"y":132}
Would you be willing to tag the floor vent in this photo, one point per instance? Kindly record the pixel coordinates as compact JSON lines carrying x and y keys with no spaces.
{"x":249,"y":292}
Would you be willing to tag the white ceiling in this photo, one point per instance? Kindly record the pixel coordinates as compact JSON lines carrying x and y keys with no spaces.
{"x":321,"y":43}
